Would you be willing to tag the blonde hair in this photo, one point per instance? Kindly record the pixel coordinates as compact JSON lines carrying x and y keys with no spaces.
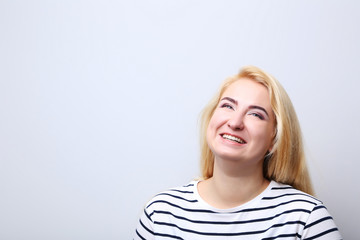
{"x":285,"y":163}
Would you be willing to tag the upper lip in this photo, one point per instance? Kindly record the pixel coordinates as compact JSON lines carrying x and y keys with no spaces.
{"x":233,"y":136}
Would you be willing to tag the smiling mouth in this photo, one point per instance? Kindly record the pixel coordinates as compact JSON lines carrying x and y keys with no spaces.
{"x":233,"y":138}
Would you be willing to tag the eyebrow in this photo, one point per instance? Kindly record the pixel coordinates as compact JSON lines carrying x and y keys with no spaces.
{"x":250,"y":107}
{"x":230,"y":99}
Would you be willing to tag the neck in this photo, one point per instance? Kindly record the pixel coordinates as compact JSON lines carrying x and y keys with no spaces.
{"x":232,"y":185}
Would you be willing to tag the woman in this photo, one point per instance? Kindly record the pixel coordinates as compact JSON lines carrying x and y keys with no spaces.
{"x":255,"y":183}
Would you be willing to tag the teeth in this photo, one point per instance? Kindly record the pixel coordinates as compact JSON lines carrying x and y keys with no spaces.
{"x":232,"y":138}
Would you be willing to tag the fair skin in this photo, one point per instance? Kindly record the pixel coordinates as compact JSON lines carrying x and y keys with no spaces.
{"x":240,"y":133}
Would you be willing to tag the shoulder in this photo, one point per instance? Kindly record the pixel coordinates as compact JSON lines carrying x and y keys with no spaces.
{"x":289,"y":200}
{"x":288,"y":204}
{"x":283,"y":191}
{"x":162,"y":207}
{"x":177,"y":197}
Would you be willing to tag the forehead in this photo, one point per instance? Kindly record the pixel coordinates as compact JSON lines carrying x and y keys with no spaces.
{"x":247,"y":91}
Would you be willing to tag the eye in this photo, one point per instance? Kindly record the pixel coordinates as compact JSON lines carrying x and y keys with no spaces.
{"x":257,"y":115}
{"x":226,"y":105}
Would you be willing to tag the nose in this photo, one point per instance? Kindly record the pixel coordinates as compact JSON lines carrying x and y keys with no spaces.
{"x":236,"y":122}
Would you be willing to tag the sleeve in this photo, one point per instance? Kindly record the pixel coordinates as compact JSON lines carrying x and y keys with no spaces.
{"x":144,"y":229}
{"x":320,"y":225}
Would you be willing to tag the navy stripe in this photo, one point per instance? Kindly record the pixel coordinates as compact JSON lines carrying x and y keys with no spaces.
{"x":142,"y":224}
{"x":207,"y":233}
{"x":147,"y":215}
{"x":283,"y":236}
{"x":137,"y":233}
{"x":230,"y":234}
{"x":180,"y":191}
{"x":281,"y":188}
{"x":234,"y":222}
{"x":189,"y":185}
{"x":274,"y":206}
{"x":318,"y":221}
{"x":319,"y":207}
{"x":177,"y":206}
{"x":288,"y":223}
{"x":178,"y":197}
{"x":168,"y":235}
{"x":322,"y":234}
{"x":291,"y":194}
{"x":284,"y":195}
{"x":244,"y":210}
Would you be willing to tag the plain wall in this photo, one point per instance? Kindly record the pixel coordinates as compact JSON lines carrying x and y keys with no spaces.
{"x":100,"y":100}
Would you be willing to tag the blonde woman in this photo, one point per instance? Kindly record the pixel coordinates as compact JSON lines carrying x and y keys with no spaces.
{"x":255,"y":184}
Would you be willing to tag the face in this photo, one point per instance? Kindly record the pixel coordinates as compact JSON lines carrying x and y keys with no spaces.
{"x":242,"y":126}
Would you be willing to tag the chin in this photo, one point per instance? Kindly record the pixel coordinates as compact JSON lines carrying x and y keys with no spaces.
{"x":228,"y":157}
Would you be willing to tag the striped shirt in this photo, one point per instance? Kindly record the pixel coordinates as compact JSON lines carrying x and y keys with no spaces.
{"x":279,"y":212}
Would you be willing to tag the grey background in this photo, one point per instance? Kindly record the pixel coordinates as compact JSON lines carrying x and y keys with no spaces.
{"x":100,"y":100}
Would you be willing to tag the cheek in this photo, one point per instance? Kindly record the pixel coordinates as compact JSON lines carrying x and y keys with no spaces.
{"x":210,"y":136}
{"x":212,"y":123}
{"x":212,"y":127}
{"x":210,"y":131}
{"x":269,"y":136}
{"x":218,"y":118}
{"x":262,"y":133}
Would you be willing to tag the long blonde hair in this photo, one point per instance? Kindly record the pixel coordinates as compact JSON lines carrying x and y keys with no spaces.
{"x":286,"y":161}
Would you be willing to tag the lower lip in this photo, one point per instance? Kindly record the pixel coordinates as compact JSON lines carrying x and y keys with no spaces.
{"x":232,"y":142}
